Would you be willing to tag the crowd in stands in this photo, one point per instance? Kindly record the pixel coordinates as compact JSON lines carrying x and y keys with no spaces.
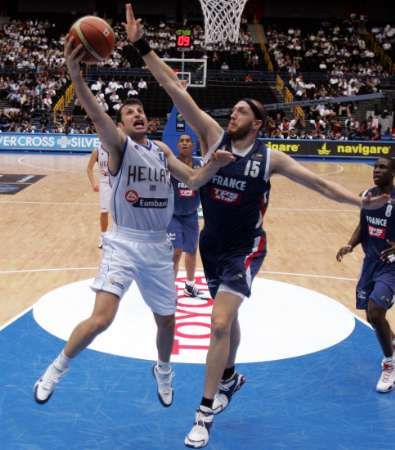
{"x":336,"y":122}
{"x":111,"y":94}
{"x":337,"y":53}
{"x":162,"y":38}
{"x":386,"y":37}
{"x":33,"y":75}
{"x":32,"y":45}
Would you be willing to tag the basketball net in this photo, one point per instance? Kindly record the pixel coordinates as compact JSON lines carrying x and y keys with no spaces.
{"x":222,"y":20}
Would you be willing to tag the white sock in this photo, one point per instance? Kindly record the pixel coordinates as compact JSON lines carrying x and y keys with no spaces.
{"x":62,"y":361}
{"x":190,"y":283}
{"x":163,"y":366}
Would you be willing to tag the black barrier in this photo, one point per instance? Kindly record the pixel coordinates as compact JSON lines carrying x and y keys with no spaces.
{"x":338,"y":149}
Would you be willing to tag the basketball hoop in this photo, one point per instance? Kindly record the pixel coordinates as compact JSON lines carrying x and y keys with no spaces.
{"x":222,"y":20}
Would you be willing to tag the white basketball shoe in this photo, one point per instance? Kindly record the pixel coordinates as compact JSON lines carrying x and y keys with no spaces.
{"x":199,"y":435}
{"x":387,"y":378}
{"x":164,"y":385}
{"x":46,"y":384}
{"x":226,"y":390}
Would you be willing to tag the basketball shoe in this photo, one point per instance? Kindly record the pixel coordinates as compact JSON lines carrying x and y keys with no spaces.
{"x":226,"y":390}
{"x":46,"y":384}
{"x":387,"y":378}
{"x":199,"y":435}
{"x":164,"y":385}
{"x":192,"y":291}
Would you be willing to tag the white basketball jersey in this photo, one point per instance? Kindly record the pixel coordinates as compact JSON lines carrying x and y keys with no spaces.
{"x":142,"y":193}
{"x":102,"y":161}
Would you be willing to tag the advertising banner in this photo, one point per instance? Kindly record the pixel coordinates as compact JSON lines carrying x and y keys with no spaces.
{"x":85,"y":143}
{"x":54,"y":142}
{"x":339,"y":149}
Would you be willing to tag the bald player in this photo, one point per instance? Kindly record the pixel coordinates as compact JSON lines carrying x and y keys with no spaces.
{"x":375,"y":291}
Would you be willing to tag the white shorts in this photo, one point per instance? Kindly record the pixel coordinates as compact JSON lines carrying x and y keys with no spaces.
{"x":142,"y":256}
{"x":104,"y":195}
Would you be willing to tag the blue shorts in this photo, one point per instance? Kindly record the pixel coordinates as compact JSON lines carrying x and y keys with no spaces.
{"x":234,"y":268}
{"x":376,"y":283}
{"x":183,"y":232}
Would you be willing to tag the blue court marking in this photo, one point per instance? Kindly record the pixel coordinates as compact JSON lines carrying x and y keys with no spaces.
{"x":322,"y":401}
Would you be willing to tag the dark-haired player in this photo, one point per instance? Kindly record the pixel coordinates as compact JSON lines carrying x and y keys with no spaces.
{"x":232,"y":243}
{"x":136,"y":248}
{"x":376,"y":286}
{"x":183,"y":229}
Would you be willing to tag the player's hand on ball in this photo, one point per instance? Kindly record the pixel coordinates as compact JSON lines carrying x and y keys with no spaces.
{"x":222,"y":158}
{"x":134,"y":28}
{"x":73,"y":56}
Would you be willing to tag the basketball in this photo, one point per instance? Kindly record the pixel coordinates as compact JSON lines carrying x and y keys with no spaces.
{"x":96,"y":36}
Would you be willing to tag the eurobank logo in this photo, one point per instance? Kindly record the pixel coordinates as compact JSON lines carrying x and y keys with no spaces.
{"x":48,"y":142}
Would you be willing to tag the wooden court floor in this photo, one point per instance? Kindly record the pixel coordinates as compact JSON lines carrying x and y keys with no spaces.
{"x":49,"y":231}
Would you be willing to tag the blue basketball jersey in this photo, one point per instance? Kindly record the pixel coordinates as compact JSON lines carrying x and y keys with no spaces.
{"x":186,"y":200}
{"x":234,"y":201}
{"x":377,"y":226}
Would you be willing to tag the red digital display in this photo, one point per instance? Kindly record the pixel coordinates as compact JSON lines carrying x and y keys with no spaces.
{"x":183,"y":41}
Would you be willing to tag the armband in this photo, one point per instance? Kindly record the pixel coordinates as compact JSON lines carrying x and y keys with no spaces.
{"x":142,"y":46}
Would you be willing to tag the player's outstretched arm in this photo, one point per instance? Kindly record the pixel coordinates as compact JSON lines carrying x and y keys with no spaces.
{"x":195,"y":178}
{"x":355,"y":239}
{"x":204,"y":125}
{"x":284,"y":165}
{"x":89,"y":170}
{"x":109,"y":135}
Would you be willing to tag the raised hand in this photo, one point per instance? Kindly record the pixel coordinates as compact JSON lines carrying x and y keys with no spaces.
{"x":73,"y":56}
{"x":343,"y":251}
{"x":134,"y":28}
{"x":222,"y":158}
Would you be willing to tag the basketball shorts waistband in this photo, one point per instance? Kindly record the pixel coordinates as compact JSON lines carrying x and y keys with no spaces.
{"x":139,"y":235}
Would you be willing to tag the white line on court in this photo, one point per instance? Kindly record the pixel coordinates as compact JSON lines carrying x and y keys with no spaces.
{"x":22,"y":162}
{"x":10,"y":202}
{"x":68,"y":269}
{"x":49,"y":269}
{"x":312,"y":210}
{"x":340,"y":169}
{"x":308,"y":275}
{"x":320,"y":210}
{"x":14,"y":319}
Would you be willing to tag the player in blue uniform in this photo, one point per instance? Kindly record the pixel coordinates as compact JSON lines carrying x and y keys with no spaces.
{"x":232,"y":243}
{"x":376,"y":287}
{"x":183,"y":229}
